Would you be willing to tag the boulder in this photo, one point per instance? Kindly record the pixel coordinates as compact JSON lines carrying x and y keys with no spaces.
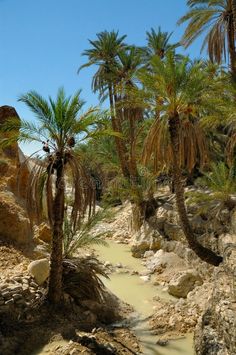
{"x":144,"y":240}
{"x":14,"y":224}
{"x":183,"y":282}
{"x":44,"y":233}
{"x":164,"y":260}
{"x":39,"y":269}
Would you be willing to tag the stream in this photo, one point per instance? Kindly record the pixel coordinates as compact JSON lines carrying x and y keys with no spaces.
{"x":139,"y":294}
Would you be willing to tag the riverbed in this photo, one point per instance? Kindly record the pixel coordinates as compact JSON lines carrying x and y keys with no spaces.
{"x":139,"y":294}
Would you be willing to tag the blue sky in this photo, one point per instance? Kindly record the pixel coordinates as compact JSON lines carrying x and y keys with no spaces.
{"x":42,"y":41}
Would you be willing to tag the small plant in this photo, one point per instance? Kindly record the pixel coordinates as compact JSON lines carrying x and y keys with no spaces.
{"x":221,"y":185}
{"x":80,"y":236}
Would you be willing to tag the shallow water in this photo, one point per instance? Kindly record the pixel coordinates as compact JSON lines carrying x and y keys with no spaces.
{"x":139,"y":294}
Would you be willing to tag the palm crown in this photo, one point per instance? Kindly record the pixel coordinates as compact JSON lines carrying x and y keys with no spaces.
{"x":216,"y":19}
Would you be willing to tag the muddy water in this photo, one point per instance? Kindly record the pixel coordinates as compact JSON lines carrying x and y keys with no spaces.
{"x":139,"y":294}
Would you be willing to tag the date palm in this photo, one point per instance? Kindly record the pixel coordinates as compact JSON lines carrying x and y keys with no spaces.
{"x":186,"y":93}
{"x":104,"y":54}
{"x":58,"y":124}
{"x":158,"y":43}
{"x":215,"y":17}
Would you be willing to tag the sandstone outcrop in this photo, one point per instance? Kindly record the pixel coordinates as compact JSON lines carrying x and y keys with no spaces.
{"x":14,"y":223}
{"x":215,"y":332}
{"x":44,"y":233}
{"x":8,"y":112}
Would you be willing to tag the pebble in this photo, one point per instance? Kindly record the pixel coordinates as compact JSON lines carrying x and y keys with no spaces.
{"x":10,"y":301}
{"x":145,"y":278}
{"x":119,"y":265}
{"x":17,"y":296}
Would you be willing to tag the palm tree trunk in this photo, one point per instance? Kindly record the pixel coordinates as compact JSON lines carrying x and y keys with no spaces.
{"x":119,"y":144}
{"x":233,"y":5}
{"x":137,"y":212}
{"x":204,"y":254}
{"x":231,"y":39}
{"x":55,"y":278}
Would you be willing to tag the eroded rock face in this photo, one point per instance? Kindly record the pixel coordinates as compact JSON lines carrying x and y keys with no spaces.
{"x":44,"y":233}
{"x":215,"y":332}
{"x":14,"y":224}
{"x":184,"y":282}
{"x":7,"y":112}
{"x":39,"y":269}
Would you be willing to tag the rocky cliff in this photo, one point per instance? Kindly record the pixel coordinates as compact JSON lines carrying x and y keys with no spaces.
{"x":14,"y":221}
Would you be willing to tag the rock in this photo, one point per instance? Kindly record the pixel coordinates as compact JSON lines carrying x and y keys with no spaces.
{"x":40,"y":251}
{"x":14,"y":223}
{"x":162,"y":342}
{"x":173,"y":231}
{"x":145,"y":278}
{"x":119,"y":265}
{"x":7,"y":112}
{"x":165,"y":260}
{"x":144,"y":240}
{"x":44,"y":233}
{"x":39,"y":269}
{"x":148,"y":254}
{"x":183,"y":282}
{"x":107,"y":263}
{"x":17,"y":296}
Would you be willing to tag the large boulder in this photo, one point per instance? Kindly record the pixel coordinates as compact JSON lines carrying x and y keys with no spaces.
{"x":183,"y":282}
{"x":14,"y":224}
{"x":39,"y":269}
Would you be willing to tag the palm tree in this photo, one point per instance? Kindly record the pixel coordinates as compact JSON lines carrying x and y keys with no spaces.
{"x":215,"y":17}
{"x":158,"y":43}
{"x":59,"y":125}
{"x":104,"y":54}
{"x":186,"y":92}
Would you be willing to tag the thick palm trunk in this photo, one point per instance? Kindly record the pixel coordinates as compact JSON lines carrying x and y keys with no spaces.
{"x":119,"y":144}
{"x":55,"y":278}
{"x":204,"y":253}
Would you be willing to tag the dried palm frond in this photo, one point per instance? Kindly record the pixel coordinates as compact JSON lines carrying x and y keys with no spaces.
{"x":193,"y":147}
{"x":81,"y":281}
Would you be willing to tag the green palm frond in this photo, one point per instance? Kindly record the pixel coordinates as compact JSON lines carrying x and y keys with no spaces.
{"x":220,"y":183}
{"x":80,"y":235}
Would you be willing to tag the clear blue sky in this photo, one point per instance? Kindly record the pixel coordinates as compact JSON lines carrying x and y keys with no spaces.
{"x":41,"y":41}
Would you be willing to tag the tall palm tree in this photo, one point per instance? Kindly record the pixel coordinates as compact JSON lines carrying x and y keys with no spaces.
{"x":216,"y":18}
{"x":59,"y":124}
{"x":104,"y":54}
{"x":186,"y":92}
